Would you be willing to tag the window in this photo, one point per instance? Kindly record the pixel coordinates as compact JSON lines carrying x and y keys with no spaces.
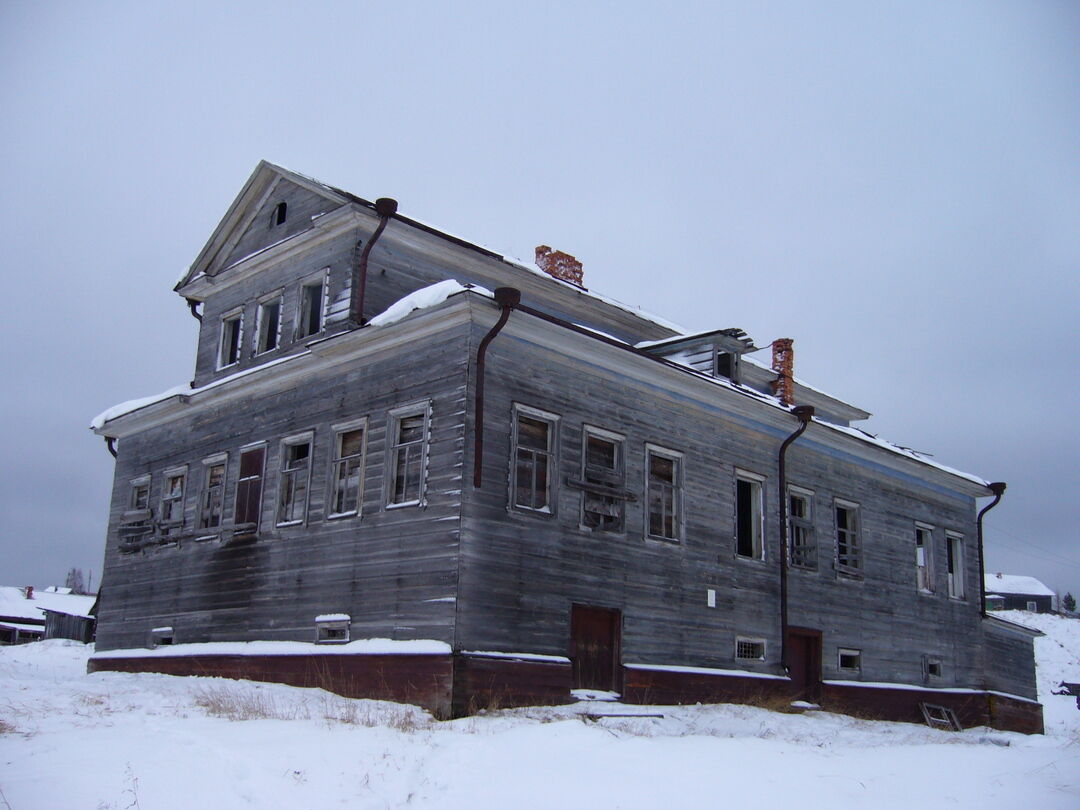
{"x":332,"y":628}
{"x":924,"y":557}
{"x":748,"y":516}
{"x":232,"y":328}
{"x":213,"y":494}
{"x":312,"y":303}
{"x":295,"y":476}
{"x":249,"y":486}
{"x":604,"y":496}
{"x":955,"y":547}
{"x":848,"y":547}
{"x":803,"y":548}
{"x":663,"y":493}
{"x":162,"y":637}
{"x":408,"y":431}
{"x":348,"y":470}
{"x":140,"y":493}
{"x":268,"y":325}
{"x":281,"y":213}
{"x":533,"y":459}
{"x":172,"y":497}
{"x":931,"y":667}
{"x":749,"y":649}
{"x":849,"y":660}
{"x":1033,"y":607}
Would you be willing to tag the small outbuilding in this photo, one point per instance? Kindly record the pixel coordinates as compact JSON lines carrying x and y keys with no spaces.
{"x":27,"y":614}
{"x":1014,"y":592}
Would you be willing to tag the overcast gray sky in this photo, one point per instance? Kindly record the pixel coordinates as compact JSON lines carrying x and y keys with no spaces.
{"x":896,"y":186}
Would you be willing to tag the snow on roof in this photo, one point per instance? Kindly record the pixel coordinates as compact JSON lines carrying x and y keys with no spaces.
{"x":424,"y":298}
{"x":1016,"y":584}
{"x":15,"y":605}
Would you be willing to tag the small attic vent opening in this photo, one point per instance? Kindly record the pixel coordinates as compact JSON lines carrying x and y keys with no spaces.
{"x":332,"y":628}
{"x":281,"y":213}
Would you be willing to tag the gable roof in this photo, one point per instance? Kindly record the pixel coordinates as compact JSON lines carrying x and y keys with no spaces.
{"x":1016,"y":584}
{"x":15,"y":605}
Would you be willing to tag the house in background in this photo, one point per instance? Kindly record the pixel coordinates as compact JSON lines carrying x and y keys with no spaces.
{"x":410,"y":467}
{"x":1013,"y":592}
{"x":29,"y":614}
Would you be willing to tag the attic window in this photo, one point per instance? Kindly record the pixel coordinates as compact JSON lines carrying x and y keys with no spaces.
{"x":727,"y":365}
{"x":332,"y":628}
{"x":281,"y":212}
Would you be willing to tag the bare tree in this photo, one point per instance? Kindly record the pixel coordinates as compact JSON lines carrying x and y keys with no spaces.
{"x":76,"y":581}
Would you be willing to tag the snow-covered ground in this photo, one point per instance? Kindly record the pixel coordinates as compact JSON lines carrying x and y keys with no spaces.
{"x":111,"y":740}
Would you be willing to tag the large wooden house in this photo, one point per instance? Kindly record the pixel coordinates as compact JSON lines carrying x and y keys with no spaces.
{"x":410,"y":467}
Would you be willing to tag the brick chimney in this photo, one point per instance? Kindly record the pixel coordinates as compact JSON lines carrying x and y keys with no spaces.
{"x":29,"y":591}
{"x":559,"y":265}
{"x":783,"y":363}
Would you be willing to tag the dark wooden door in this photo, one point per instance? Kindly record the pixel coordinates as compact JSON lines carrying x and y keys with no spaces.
{"x":804,"y":662}
{"x":594,"y":647}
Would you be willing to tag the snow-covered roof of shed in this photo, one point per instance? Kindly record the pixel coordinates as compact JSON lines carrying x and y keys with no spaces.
{"x":1016,"y":584}
{"x":14,"y":604}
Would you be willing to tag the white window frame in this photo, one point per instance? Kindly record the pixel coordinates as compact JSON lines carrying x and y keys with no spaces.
{"x":260,"y":315}
{"x":750,"y":640}
{"x":804,"y":524}
{"x":338,"y":430}
{"x":854,"y":539}
{"x":321,"y":279}
{"x":614,"y":479}
{"x":677,"y":518}
{"x":136,"y":484}
{"x":849,"y":652}
{"x":956,"y":561}
{"x":394,"y":448}
{"x":757,"y":521}
{"x":332,"y":630}
{"x":233,"y":315}
{"x":219,"y":459}
{"x":287,"y":477}
{"x":548,"y":457}
{"x":180,"y":472}
{"x":924,"y":563}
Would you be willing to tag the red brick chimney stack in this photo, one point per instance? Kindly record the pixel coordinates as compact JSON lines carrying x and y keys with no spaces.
{"x":29,"y":591}
{"x":559,"y":265}
{"x":783,"y":363}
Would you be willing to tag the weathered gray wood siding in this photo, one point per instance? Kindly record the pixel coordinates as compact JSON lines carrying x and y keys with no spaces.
{"x":387,"y":569}
{"x":522,"y":571}
{"x":302,"y":204}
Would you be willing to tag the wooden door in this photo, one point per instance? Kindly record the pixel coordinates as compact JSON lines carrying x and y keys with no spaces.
{"x":804,"y":662}
{"x":594,"y":647}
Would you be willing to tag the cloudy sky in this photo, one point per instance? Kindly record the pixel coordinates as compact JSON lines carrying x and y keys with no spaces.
{"x":896,"y":186}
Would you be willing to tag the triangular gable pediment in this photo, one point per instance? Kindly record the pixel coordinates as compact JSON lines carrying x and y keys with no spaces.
{"x":248,"y":226}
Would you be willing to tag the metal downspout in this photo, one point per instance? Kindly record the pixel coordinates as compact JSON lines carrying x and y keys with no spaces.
{"x":193,"y":305}
{"x":110,"y":442}
{"x":804,"y":413}
{"x":998,"y":488}
{"x":385,"y":208}
{"x":507,"y":298}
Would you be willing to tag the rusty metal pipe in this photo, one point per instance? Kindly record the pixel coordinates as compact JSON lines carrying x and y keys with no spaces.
{"x":804,"y":413}
{"x":385,"y":208}
{"x":998,"y":488}
{"x":507,"y":298}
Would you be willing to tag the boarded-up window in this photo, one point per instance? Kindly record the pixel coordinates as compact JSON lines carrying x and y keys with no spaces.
{"x":533,"y":459}
{"x":267,"y":324}
{"x":249,"y":486}
{"x":408,"y":448}
{"x":664,"y":493}
{"x":310,"y":319}
{"x":848,"y":545}
{"x":803,"y":547}
{"x":604,"y":472}
{"x":213,"y":496}
{"x":348,"y":469}
{"x":295,"y":477}
{"x":748,"y":518}
{"x":924,"y":558}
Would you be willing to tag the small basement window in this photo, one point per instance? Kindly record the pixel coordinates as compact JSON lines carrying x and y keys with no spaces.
{"x":749,"y":649}
{"x":162,"y":637}
{"x":931,"y":667}
{"x":849,"y":660}
{"x":332,"y":628}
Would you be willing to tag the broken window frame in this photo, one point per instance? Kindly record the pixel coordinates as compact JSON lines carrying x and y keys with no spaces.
{"x":347,"y":471}
{"x":536,"y":464}
{"x":139,"y":500}
{"x":849,"y":556}
{"x":750,"y":648}
{"x":267,"y":330}
{"x":294,"y":479}
{"x":956,"y":560}
{"x":305,"y":325}
{"x":605,"y":477}
{"x":406,"y":455}
{"x":171,"y":509}
{"x":245,"y":484}
{"x":802,"y":540}
{"x":212,"y":496}
{"x":932,"y":667}
{"x":754,"y":523}
{"x":231,"y":338}
{"x":924,"y":558}
{"x":664,"y":493}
